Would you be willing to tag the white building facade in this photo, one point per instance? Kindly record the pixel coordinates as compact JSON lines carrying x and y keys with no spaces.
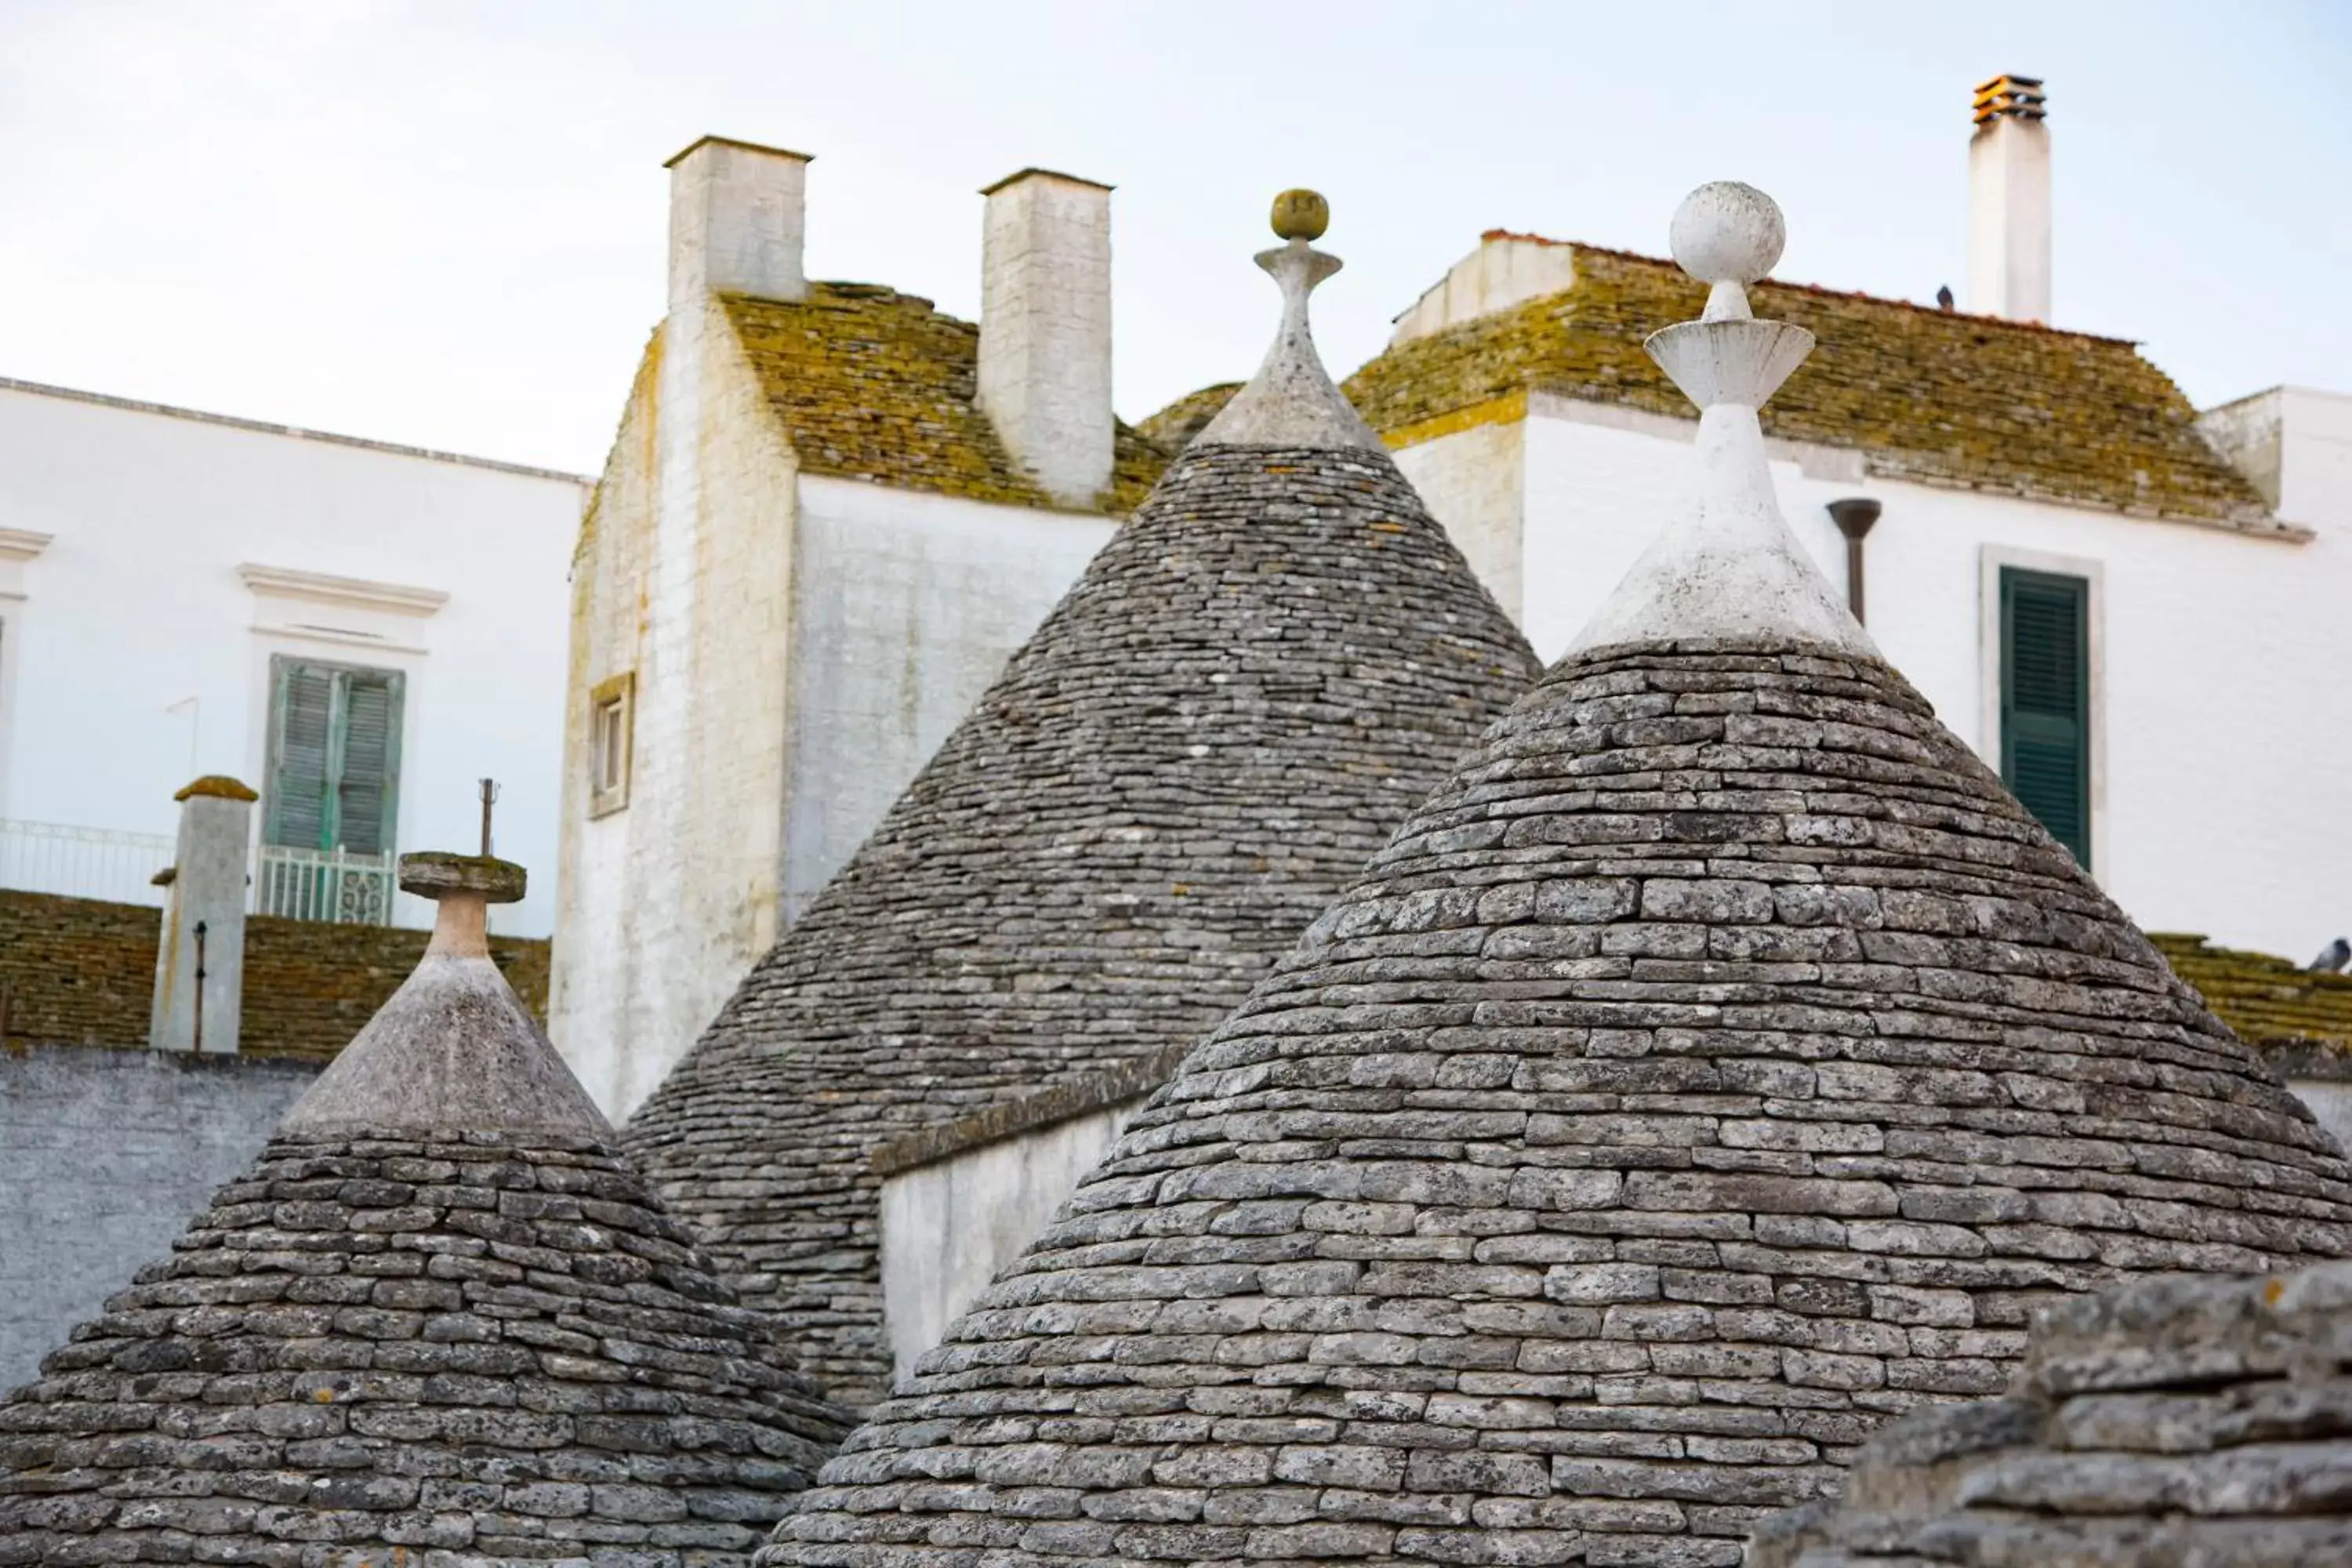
{"x":830,"y":514}
{"x":358,"y":631}
{"x":2128,"y":609}
{"x":2218,"y":734}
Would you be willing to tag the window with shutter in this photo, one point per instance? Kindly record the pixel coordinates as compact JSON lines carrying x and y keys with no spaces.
{"x":334,"y":756}
{"x":2045,"y":701}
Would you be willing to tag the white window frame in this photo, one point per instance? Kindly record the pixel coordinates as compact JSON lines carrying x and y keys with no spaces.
{"x":2093,"y":574}
{"x":618,"y":697}
{"x":17,"y":546}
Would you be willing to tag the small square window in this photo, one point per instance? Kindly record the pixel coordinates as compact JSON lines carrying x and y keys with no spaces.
{"x":611,"y":720}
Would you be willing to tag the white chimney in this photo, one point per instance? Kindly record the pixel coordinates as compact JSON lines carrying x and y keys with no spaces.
{"x":1044,"y":329}
{"x":2008,"y":201}
{"x":737,"y":213}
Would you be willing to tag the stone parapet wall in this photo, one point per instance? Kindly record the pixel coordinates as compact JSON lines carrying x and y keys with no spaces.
{"x":81,"y":972}
{"x":75,"y":972}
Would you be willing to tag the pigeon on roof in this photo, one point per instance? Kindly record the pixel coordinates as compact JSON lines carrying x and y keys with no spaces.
{"x":1718,"y":1064}
{"x":1245,"y":692}
{"x":2332,"y":958}
{"x":2170,"y":1423}
{"x":439,"y":1321}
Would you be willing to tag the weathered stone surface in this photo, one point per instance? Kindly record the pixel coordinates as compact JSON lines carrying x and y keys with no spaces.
{"x":2174,"y":1424}
{"x":1248,"y":689}
{"x":1719,"y":1064}
{"x":432,"y":1324}
{"x":479,"y":1350}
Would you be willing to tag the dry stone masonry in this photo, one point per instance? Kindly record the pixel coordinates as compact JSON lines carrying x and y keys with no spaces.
{"x":440,"y":1323}
{"x":2171,"y":1424}
{"x":1720,"y":1063}
{"x":1249,"y":687}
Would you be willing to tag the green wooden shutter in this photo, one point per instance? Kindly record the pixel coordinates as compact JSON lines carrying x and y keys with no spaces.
{"x":2045,"y":701}
{"x":301,"y":718}
{"x":367,"y":781}
{"x":334,"y":756}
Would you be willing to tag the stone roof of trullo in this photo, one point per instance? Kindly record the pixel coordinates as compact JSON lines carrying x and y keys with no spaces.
{"x":870,"y":384}
{"x":440,"y":1319}
{"x":2204,"y":1422}
{"x":1251,"y":684}
{"x":1720,"y":1062}
{"x":1938,"y":397}
{"x":2300,"y":1020}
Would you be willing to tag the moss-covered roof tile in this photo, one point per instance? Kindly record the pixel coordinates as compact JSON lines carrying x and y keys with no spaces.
{"x":2268,"y":1001}
{"x":1173,"y":428}
{"x":871,"y":383}
{"x":1932,"y":396}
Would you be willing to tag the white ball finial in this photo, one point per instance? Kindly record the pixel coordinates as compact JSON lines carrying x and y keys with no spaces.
{"x":1728,"y":233}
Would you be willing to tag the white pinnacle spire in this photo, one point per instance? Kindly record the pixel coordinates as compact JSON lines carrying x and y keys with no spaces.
{"x":1728,"y":567}
{"x":1291,"y":402}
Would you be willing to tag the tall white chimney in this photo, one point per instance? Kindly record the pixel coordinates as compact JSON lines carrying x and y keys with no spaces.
{"x":1044,"y":329}
{"x":737,"y":214}
{"x":2008,"y":201}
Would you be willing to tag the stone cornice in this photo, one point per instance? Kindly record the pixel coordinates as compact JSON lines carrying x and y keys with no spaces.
{"x":22,"y":544}
{"x":354,"y":593}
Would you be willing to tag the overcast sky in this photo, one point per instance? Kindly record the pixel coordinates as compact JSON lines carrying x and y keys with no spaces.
{"x":443,"y":224}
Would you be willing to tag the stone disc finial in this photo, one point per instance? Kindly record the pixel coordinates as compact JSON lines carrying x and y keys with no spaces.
{"x":434,"y":874}
{"x":1301,"y":215}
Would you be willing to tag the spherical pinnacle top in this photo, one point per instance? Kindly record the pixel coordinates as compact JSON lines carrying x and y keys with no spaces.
{"x":1301,"y":215}
{"x":1728,"y":233}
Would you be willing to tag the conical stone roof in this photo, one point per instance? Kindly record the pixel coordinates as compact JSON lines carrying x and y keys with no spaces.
{"x":1242,"y":695}
{"x":440,"y":1322}
{"x":1720,"y":1062}
{"x":2165,"y":1425}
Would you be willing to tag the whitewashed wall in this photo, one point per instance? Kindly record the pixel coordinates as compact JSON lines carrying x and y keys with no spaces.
{"x":800,"y":645}
{"x":136,"y":606}
{"x":905,"y":608}
{"x":948,"y":1225}
{"x":2227,"y":725}
{"x":685,"y":585}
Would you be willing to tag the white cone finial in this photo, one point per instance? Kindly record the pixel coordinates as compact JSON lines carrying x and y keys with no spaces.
{"x":1728,"y":569}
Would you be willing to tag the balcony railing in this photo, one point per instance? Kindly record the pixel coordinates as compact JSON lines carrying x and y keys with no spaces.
{"x":83,"y":862}
{"x":332,"y":885}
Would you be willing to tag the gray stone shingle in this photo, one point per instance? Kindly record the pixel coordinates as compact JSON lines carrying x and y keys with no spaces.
{"x":438,"y":1322}
{"x":2178,"y":1422}
{"x":1718,"y":1064}
{"x":1249,"y":687}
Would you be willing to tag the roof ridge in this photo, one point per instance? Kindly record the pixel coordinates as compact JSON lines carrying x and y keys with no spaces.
{"x":1821,"y":288}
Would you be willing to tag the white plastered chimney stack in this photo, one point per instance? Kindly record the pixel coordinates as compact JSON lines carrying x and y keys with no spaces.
{"x":737,"y":221}
{"x":1044,"y":329}
{"x":2008,"y":201}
